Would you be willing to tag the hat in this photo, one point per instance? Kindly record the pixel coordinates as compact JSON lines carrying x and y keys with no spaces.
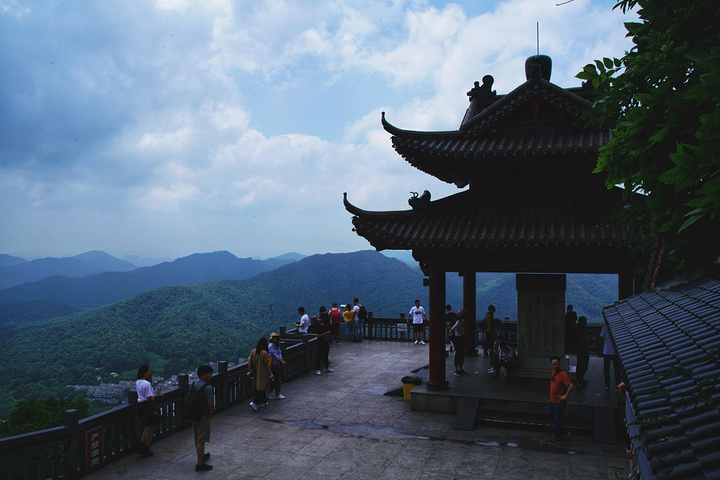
{"x":273,"y":334}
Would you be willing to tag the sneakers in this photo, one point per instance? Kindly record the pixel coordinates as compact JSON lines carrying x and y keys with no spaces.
{"x":318,"y":372}
{"x":329,"y":370}
{"x":280,"y":396}
{"x":253,"y":406}
{"x":422,"y":343}
{"x":416,"y":342}
{"x":458,"y":374}
{"x":203,"y":467}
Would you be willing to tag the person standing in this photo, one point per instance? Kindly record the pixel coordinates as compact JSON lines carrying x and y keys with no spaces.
{"x":570,"y":320}
{"x":417,"y":315}
{"x":457,"y":336}
{"x":146,"y":412}
{"x":304,"y":322}
{"x":335,"y":320}
{"x":360,"y":314}
{"x":581,"y":350}
{"x":609,"y":357}
{"x":276,"y":362}
{"x":489,"y":326}
{"x":349,"y":316}
{"x":450,"y":319}
{"x":560,"y":388}
{"x":323,"y":338}
{"x":201,"y":428}
{"x":260,"y":362}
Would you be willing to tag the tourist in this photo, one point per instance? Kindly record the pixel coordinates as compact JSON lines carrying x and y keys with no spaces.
{"x":417,"y":315}
{"x":609,"y":357}
{"x":560,"y":388}
{"x":457,"y":336}
{"x":349,"y":315}
{"x":260,"y":362}
{"x":201,"y":428}
{"x":489,"y":326}
{"x":360,"y":317}
{"x":581,"y":350}
{"x":276,"y":361}
{"x":304,"y":322}
{"x":323,"y":338}
{"x":145,"y":408}
{"x":335,"y":320}
{"x":570,"y":319}
{"x":450,"y":319}
{"x":503,"y":357}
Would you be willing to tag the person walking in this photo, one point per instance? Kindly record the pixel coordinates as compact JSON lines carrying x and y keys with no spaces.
{"x":276,"y":362}
{"x":560,"y":388}
{"x":418,"y":317}
{"x":260,"y":362}
{"x":146,"y":411}
{"x":457,"y":336}
{"x":323,"y":337}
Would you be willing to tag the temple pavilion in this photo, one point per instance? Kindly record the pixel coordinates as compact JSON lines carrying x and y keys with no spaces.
{"x":529,"y":204}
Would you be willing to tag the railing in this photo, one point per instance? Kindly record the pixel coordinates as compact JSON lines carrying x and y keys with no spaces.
{"x":82,"y":446}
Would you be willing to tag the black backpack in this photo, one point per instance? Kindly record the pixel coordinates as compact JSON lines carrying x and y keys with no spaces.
{"x":362,"y":314}
{"x":195,"y":403}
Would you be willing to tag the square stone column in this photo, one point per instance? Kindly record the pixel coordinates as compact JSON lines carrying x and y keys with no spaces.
{"x":541,"y":323}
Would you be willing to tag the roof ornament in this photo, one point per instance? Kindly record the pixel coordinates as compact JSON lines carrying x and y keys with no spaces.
{"x":419,"y":202}
{"x":481,"y":97}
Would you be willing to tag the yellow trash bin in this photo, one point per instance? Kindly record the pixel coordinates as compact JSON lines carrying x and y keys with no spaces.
{"x":408,"y":384}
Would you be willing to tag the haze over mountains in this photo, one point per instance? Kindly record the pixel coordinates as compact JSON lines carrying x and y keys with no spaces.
{"x":209,"y":307}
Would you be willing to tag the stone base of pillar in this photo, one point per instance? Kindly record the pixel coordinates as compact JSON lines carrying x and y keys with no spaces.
{"x":437,"y":386}
{"x":537,"y":367}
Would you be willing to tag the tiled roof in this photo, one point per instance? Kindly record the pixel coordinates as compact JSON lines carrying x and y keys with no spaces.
{"x":658,"y":335}
{"x":467,"y":221}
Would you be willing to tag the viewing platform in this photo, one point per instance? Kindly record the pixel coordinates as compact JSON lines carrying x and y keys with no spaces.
{"x":342,"y":425}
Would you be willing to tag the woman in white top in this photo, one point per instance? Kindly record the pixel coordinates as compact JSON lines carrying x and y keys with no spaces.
{"x":144,"y":389}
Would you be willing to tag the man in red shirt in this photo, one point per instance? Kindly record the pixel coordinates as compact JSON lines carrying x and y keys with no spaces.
{"x":560,"y":388}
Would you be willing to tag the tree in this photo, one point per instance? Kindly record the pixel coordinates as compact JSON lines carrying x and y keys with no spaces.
{"x":662,"y":103}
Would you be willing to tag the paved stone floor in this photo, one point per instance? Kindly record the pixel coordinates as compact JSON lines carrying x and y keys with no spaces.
{"x":340,"y":425}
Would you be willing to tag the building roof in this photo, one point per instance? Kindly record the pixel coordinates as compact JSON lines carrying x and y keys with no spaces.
{"x":499,"y":219}
{"x":668,"y":344}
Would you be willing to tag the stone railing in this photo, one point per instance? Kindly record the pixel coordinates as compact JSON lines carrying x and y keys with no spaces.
{"x":81,"y":446}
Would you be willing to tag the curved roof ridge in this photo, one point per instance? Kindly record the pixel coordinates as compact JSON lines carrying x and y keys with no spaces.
{"x":393,"y":130}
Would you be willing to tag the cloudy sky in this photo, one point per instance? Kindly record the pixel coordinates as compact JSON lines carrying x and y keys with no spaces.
{"x":168,"y":127}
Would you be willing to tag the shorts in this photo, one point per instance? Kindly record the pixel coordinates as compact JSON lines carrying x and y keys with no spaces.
{"x":418,"y":327}
{"x":201,"y":429}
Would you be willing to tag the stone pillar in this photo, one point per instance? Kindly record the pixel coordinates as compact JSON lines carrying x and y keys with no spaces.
{"x":541,"y":323}
{"x":436,"y":338}
{"x":470,"y":307}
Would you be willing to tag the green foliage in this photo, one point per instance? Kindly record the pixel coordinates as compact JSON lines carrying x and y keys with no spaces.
{"x":40,"y":414}
{"x":662,"y":102}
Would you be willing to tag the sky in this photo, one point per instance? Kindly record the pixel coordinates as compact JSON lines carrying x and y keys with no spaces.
{"x":170,"y":127}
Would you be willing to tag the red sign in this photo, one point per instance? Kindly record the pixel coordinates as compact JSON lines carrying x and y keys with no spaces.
{"x":94,"y":449}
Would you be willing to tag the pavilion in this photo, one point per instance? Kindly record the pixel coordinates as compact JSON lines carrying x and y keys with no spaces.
{"x":530,"y":204}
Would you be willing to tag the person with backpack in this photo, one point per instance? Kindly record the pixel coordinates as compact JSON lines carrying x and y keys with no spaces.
{"x":260,"y":363}
{"x":336,"y":318}
{"x":360,"y":317}
{"x":200,"y":405}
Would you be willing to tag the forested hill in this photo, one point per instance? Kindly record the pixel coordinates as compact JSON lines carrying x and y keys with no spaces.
{"x":178,"y":328}
{"x":108,"y":287}
{"x":15,"y":271}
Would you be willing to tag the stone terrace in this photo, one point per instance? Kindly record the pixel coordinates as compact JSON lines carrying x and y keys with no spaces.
{"x":340,"y":425}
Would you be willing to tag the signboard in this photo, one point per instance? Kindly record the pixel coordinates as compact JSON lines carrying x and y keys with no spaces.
{"x":402,"y":327}
{"x":94,"y":449}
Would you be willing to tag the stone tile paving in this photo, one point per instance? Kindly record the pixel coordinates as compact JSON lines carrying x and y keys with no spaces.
{"x":339,"y":425}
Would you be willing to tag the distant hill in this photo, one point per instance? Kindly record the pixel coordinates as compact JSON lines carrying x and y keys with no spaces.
{"x":88,"y":263}
{"x":8,"y":260}
{"x":104,"y":288}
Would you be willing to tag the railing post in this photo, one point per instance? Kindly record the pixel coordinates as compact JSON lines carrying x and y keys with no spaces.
{"x":223,"y":396}
{"x":371,"y":333}
{"x":70,"y":421}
